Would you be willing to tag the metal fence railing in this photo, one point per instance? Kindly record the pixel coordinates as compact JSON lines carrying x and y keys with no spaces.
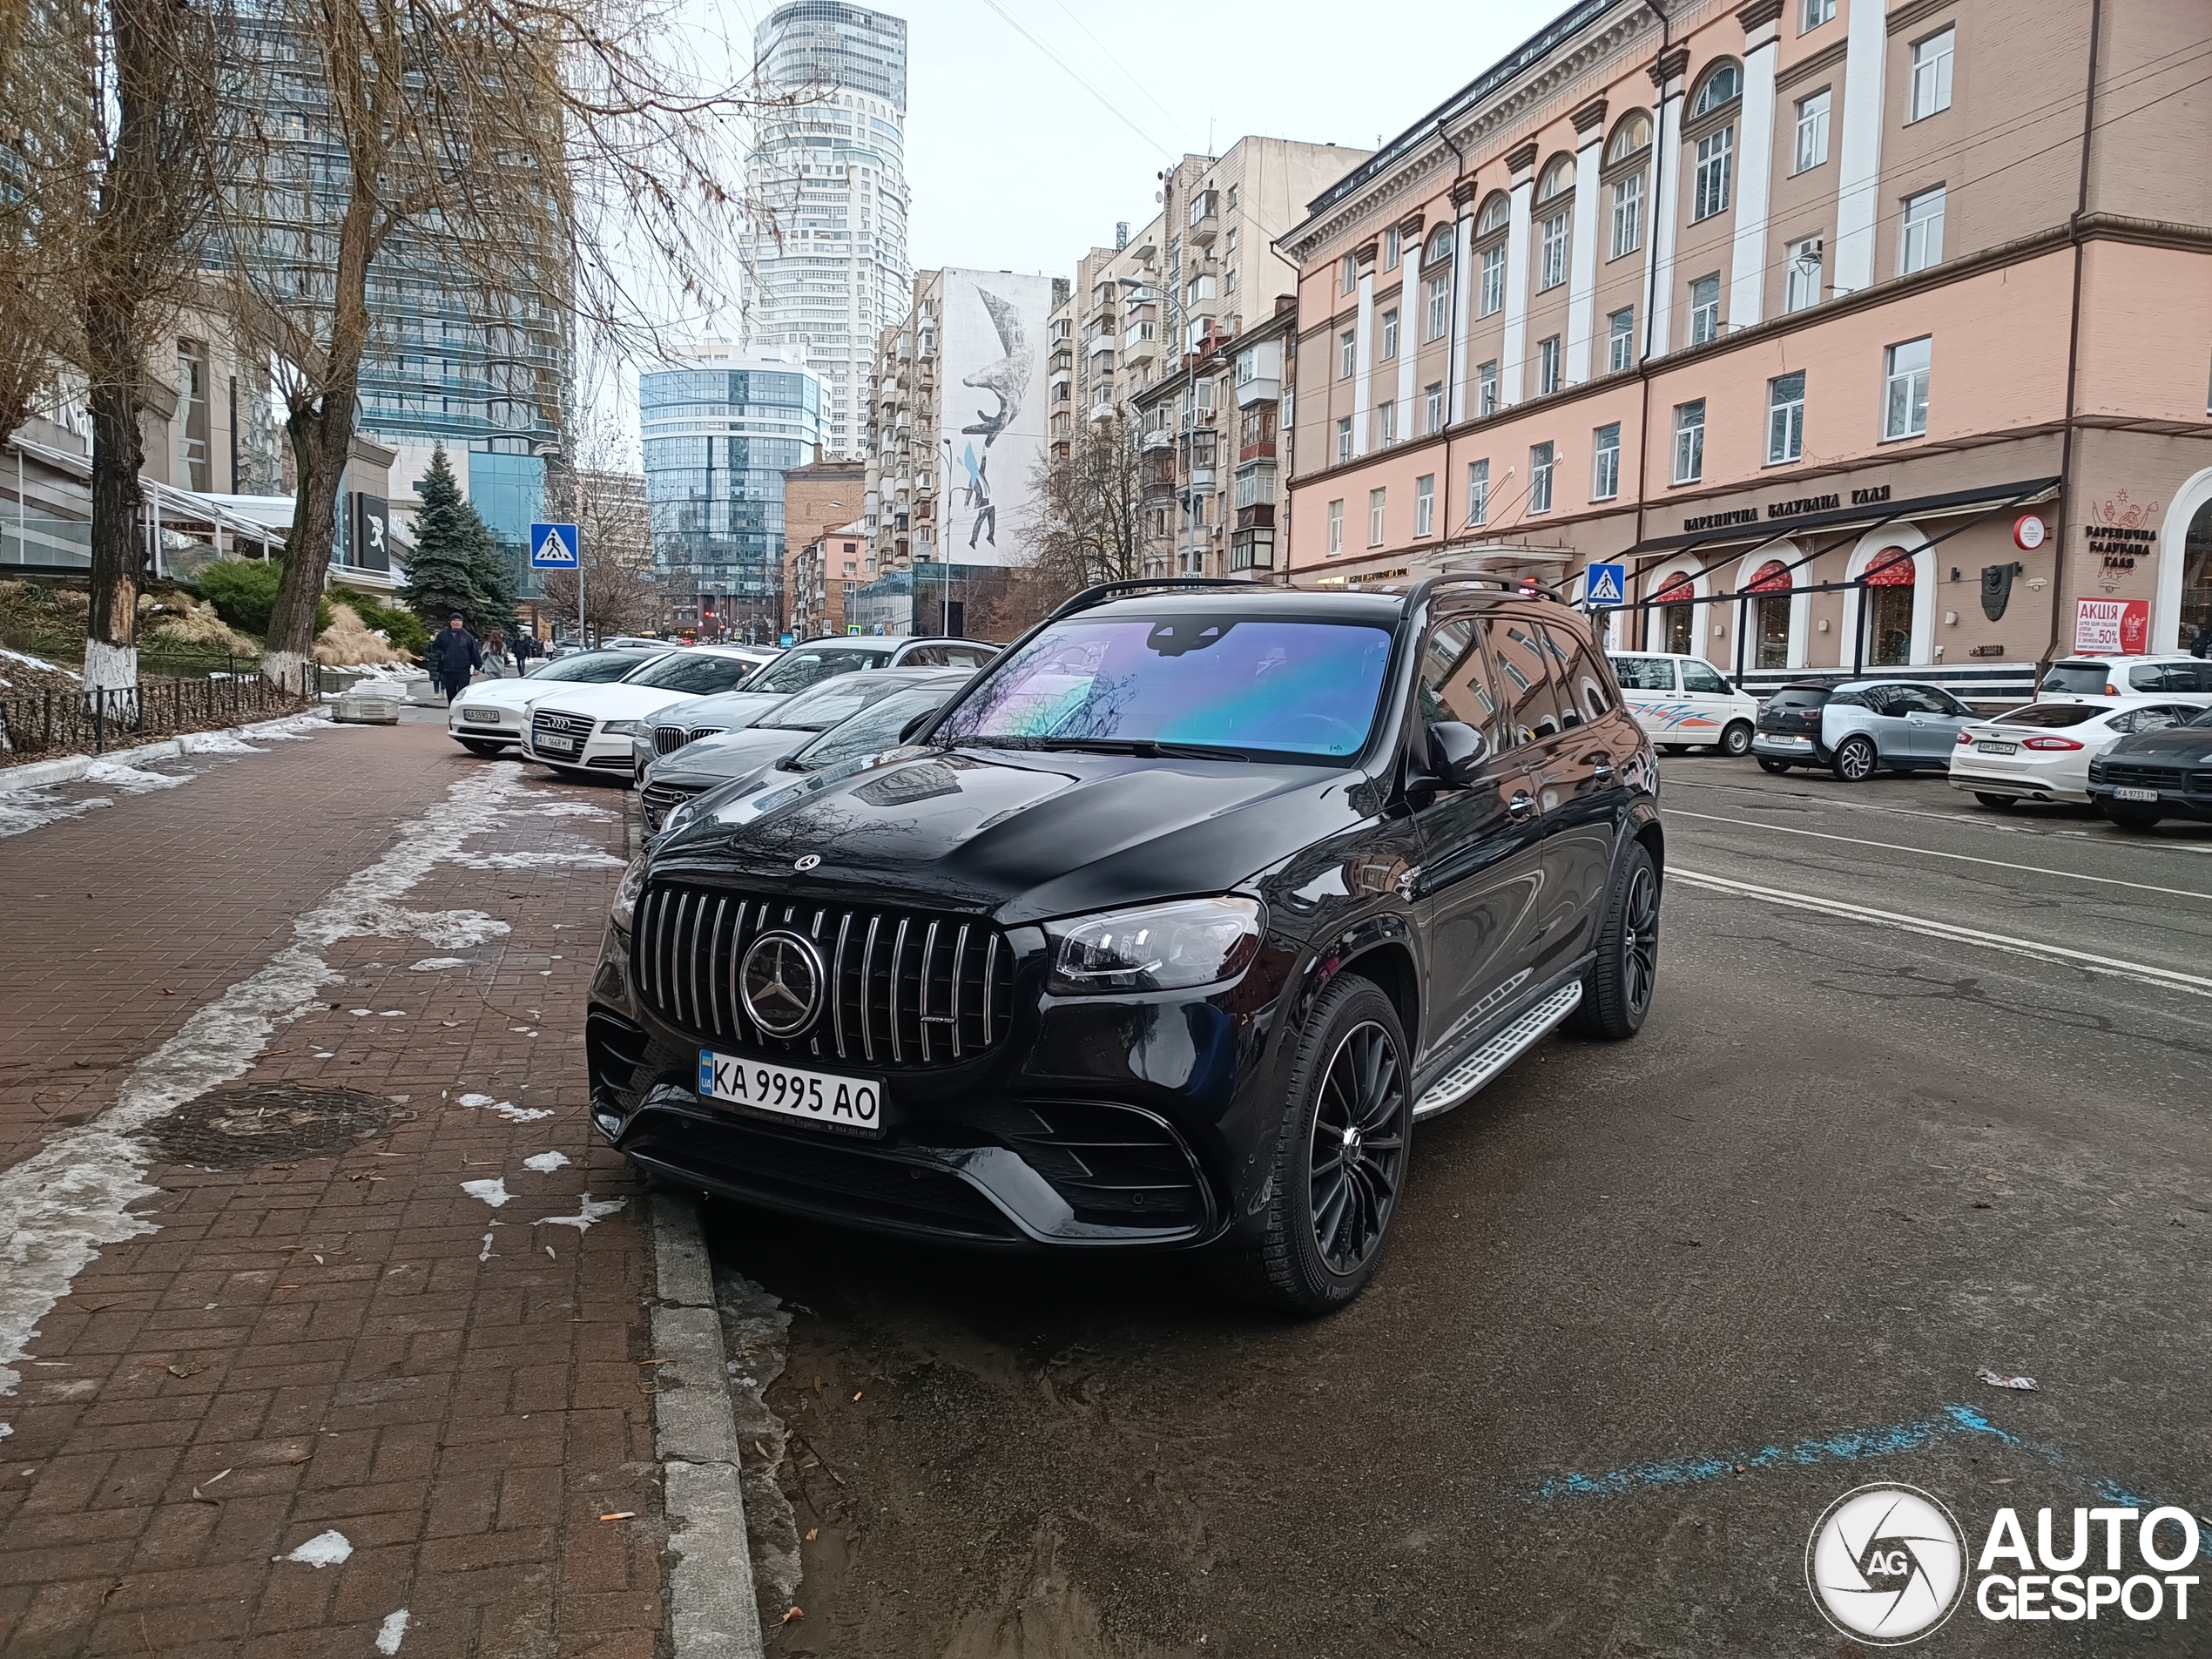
{"x":75,"y":720}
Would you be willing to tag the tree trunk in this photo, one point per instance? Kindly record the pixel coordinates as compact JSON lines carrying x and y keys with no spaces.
{"x":118,"y":549}
{"x":322,"y":434}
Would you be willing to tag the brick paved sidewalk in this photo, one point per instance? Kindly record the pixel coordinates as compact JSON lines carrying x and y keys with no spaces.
{"x":407,"y":1309}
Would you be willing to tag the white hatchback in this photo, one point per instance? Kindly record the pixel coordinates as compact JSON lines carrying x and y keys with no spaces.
{"x":2043,"y":751}
{"x":1684,"y":700}
{"x":2190,"y":677}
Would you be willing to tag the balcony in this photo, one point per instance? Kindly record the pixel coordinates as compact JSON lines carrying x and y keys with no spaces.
{"x":1259,"y":516}
{"x":1205,"y":218}
{"x":1259,"y":450}
{"x":1158,"y":438}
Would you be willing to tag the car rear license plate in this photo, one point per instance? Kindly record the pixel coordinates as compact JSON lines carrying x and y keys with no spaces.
{"x":1794,"y":743}
{"x":852,"y":1103}
{"x":2136,"y":794}
{"x":1997,"y":748}
{"x":557,"y":744}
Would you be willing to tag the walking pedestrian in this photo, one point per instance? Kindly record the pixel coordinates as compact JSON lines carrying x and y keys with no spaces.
{"x":2201,"y":644}
{"x":499,"y":664}
{"x":452,"y":656}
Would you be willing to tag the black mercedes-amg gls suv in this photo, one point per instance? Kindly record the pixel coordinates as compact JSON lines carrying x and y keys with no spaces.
{"x":1163,"y":934}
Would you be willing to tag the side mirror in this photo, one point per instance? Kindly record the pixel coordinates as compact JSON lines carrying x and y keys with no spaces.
{"x":1456,"y":752}
{"x":906,"y":731}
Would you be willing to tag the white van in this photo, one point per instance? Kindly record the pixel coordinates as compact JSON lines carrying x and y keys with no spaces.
{"x":1684,"y":700}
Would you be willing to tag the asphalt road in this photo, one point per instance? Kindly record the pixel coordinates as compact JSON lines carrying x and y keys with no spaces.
{"x":1923,"y":1092}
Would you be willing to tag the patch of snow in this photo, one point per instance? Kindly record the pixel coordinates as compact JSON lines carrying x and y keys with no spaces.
{"x":392,"y":1013}
{"x":216,"y":742}
{"x":324,"y":1549}
{"x":570,"y":809}
{"x":36,"y":662}
{"x":590,"y":1211}
{"x":507,"y":1109}
{"x":131,"y":778}
{"x":389,"y":1633}
{"x":493,"y":1193}
{"x":484,"y":1255}
{"x":592,"y":858}
{"x":428,"y":963}
{"x":545,"y":1162}
{"x":29,"y":808}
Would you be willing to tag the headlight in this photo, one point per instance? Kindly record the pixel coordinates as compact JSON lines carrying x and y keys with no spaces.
{"x":1158,"y":947}
{"x":624,"y":908}
{"x":622,"y":728}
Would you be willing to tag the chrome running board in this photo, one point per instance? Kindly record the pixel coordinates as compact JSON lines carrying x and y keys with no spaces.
{"x":1494,"y":1056}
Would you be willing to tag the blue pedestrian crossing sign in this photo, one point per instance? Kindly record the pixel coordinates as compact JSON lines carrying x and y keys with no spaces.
{"x":553,"y":547}
{"x":1607,"y":584}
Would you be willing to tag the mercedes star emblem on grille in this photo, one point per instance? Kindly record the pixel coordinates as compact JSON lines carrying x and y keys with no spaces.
{"x":813,"y":860}
{"x":780,"y":982}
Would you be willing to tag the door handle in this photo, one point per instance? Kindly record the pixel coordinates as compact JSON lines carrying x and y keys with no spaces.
{"x":1521,"y":807}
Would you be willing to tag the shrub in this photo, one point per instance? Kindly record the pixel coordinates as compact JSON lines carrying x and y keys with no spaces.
{"x":404,"y":629}
{"x":244,"y":592}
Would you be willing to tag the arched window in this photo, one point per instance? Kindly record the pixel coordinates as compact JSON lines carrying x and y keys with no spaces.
{"x":1440,"y":247}
{"x":1678,"y":617}
{"x":1723,"y":83}
{"x":1770,"y":614}
{"x":2196,"y":576}
{"x":1889,"y":606}
{"x":1630,"y":134}
{"x":1495,"y":212}
{"x":1558,"y":179}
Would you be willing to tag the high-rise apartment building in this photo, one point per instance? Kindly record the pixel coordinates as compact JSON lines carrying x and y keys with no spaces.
{"x":827,"y":268}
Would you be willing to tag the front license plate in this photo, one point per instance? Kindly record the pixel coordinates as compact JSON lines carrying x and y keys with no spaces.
{"x":1997,"y":748}
{"x":816,"y":1097}
{"x":2136,"y":794}
{"x":557,"y":746}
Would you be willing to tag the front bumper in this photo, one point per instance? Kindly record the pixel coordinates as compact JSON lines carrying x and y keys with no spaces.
{"x":598,"y":753}
{"x":2190,"y":798}
{"x":1133,"y":1123}
{"x":485,"y":723}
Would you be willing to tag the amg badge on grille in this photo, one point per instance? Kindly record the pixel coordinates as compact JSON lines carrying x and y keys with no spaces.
{"x":780,"y":982}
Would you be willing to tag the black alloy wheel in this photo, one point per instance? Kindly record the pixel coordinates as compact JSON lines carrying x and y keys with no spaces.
{"x":1777,"y":767}
{"x":1736,"y":740}
{"x":1617,"y":990}
{"x":1357,"y":1157}
{"x":2137,"y":819}
{"x":1856,"y":760}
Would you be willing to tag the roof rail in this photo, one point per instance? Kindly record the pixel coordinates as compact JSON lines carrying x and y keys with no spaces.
{"x":1521,"y":587}
{"x":1105,"y":591}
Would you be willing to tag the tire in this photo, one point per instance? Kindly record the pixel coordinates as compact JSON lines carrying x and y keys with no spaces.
{"x":1997,"y":803}
{"x":1777,"y":767}
{"x":1326,"y":1221}
{"x":1617,"y":990}
{"x":478,"y":746}
{"x":1673,"y":748}
{"x":2133,"y":818}
{"x":1736,"y":740}
{"x":1856,"y":760}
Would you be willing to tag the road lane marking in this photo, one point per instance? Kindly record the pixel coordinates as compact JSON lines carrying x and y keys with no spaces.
{"x":1929,"y":852}
{"x":1971,"y":820}
{"x":2194,"y":984}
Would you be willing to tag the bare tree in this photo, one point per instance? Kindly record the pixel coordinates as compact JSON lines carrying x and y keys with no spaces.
{"x":534,"y":156}
{"x":1087,"y":520}
{"x":49,"y":140}
{"x":614,"y":529}
{"x":155,"y":84}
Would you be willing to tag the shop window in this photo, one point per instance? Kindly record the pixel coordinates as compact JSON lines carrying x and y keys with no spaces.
{"x":2196,"y":576}
{"x":1770,"y":615}
{"x":1889,"y":608}
{"x":1678,"y":617}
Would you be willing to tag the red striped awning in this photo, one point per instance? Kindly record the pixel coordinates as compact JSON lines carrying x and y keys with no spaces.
{"x":1773,"y":577}
{"x":1676,"y":588}
{"x":1892,"y":568}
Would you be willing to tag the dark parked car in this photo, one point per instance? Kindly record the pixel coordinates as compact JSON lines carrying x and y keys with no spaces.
{"x":1161,"y":935}
{"x":1856,"y":728}
{"x":2150,"y":775}
{"x":804,"y":722}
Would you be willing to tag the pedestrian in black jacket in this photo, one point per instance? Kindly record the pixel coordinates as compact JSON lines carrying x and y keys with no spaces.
{"x":452,"y":654}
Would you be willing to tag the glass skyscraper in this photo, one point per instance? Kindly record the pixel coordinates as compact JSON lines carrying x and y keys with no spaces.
{"x":828,"y":265}
{"x":718,"y":431}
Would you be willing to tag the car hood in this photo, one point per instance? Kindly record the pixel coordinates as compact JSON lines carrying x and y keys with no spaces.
{"x":732,"y":711}
{"x":2187,"y":744}
{"x":617,"y":701}
{"x":1024,"y":837}
{"x":716,"y":760}
{"x":517,"y":694}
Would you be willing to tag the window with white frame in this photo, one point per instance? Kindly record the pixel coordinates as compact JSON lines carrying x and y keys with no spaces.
{"x":1393,"y":248}
{"x":1336,"y":527}
{"x":1812,"y":131}
{"x":1920,"y":243}
{"x":1932,"y":75}
{"x":1497,"y":213}
{"x":1547,"y":364}
{"x":1690,"y":441}
{"x":1343,"y":438}
{"x":1493,"y":280}
{"x":1801,"y":276}
{"x":1478,"y":492}
{"x":1433,"y":407}
{"x":1229,"y":281}
{"x":1424,"y":503}
{"x":1541,"y":459}
{"x":1348,"y":273}
{"x":1905,"y":388}
{"x":1816,"y":13}
{"x":1437,"y":292}
{"x":1376,"y":498}
{"x":1785,"y":418}
{"x":1387,"y":425}
{"x":1725,"y":84}
{"x":1390,"y":333}
{"x":1486,"y":388}
{"x":1620,"y":340}
{"x":1628,"y":214}
{"x":1716,"y":162}
{"x":1553,"y":259}
{"x":1605,"y":464}
{"x":1438,"y":249}
{"x":1347,"y":353}
{"x":1705,"y":309}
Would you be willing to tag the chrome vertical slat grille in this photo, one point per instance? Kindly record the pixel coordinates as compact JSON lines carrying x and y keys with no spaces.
{"x":906,"y":988}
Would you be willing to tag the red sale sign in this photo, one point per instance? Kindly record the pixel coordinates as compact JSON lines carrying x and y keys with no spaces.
{"x":2112,"y":627}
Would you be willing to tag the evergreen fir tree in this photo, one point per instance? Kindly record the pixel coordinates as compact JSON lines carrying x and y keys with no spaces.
{"x":441,"y":571}
{"x":491,"y":568}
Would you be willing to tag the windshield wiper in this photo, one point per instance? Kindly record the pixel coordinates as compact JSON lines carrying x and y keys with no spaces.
{"x":1143,"y":748}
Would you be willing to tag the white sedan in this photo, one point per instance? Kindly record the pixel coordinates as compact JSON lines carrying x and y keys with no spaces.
{"x":589,"y":728}
{"x":487,"y":718}
{"x":2043,"y":751}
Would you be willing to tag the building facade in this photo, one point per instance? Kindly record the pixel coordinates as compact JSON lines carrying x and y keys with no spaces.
{"x":817,"y":497}
{"x":827,"y":269}
{"x":1865,"y":336}
{"x":816,"y":577}
{"x":720,"y":431}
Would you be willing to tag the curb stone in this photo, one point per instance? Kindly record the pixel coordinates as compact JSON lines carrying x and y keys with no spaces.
{"x":714,"y":1612}
{"x":67,"y":769}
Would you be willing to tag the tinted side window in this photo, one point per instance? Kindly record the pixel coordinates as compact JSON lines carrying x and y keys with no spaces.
{"x":1454,"y":686}
{"x":2149,"y":676}
{"x":1703,"y":677}
{"x":1917,"y":699}
{"x":1644,"y":673}
{"x":1519,"y":669}
{"x":1587,"y":690}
